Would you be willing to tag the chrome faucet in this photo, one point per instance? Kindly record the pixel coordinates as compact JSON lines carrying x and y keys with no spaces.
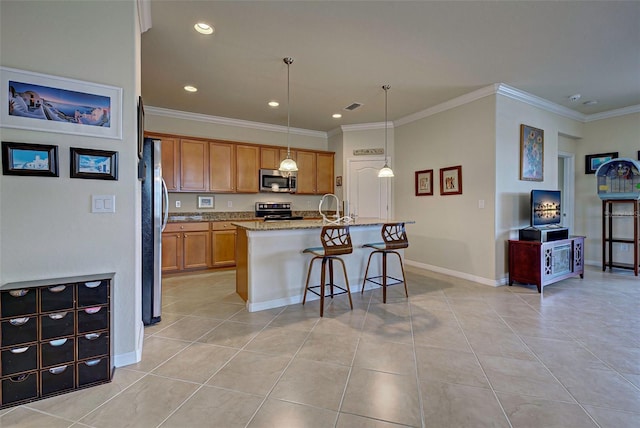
{"x":338,"y":219}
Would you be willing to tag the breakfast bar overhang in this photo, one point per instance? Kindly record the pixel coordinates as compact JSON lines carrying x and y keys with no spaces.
{"x":271,"y":268}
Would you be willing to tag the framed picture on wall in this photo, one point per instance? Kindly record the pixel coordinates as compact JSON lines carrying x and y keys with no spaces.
{"x":29,"y":159}
{"x":94,"y":164}
{"x":531,"y":153}
{"x":424,"y":182}
{"x":592,"y":162}
{"x":451,"y":180}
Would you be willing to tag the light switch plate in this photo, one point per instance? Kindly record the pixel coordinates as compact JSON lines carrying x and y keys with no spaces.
{"x":103,"y":203}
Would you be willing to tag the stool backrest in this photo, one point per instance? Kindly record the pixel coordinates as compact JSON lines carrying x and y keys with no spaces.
{"x":394,"y":235}
{"x":336,"y":240}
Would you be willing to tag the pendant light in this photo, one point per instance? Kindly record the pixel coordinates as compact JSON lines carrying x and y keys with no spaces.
{"x":385,"y":171}
{"x":288,"y":165}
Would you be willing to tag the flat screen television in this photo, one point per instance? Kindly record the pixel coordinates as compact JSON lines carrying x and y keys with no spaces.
{"x":545,"y":208}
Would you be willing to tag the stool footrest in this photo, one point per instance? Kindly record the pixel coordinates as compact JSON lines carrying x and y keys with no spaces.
{"x":344,"y":290}
{"x":374,"y":278}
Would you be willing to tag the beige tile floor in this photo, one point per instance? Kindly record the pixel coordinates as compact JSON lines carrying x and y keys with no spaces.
{"x":455,"y":354}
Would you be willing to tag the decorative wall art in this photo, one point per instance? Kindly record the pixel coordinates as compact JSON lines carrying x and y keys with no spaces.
{"x":531,"y":153}
{"x":29,"y":159}
{"x":46,"y":103}
{"x":592,"y":162}
{"x":424,"y":182}
{"x":451,"y":180}
{"x":339,"y":181}
{"x":206,"y":201}
{"x":94,"y":164}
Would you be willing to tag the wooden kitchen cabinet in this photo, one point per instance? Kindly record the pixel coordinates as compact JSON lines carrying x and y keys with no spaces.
{"x":247,"y":166}
{"x":315,"y":172}
{"x":270,"y":157}
{"x":223,"y":244}
{"x":186,"y":246}
{"x":222,"y":167}
{"x":194,"y":165}
{"x":170,"y":161}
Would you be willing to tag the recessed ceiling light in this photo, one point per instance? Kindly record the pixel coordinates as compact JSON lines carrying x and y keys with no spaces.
{"x":203,"y":28}
{"x":574,"y":97}
{"x":336,"y":116}
{"x":190,"y":88}
{"x":273,"y":104}
{"x":590,"y":102}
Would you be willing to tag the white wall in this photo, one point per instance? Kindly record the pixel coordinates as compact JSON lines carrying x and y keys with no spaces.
{"x":46,"y":226}
{"x":451,"y":234}
{"x":619,"y":134}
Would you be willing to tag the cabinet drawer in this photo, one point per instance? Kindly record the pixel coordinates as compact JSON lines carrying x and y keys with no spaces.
{"x":15,"y":303}
{"x":57,"y":379}
{"x":93,"y":345}
{"x":93,"y":319}
{"x":57,"y":352}
{"x":19,"y":330}
{"x":93,"y":293}
{"x":22,"y":359}
{"x":92,"y":371}
{"x":187,"y":227}
{"x":56,"y":324}
{"x":222,"y":225}
{"x":56,"y":298}
{"x":19,"y":388}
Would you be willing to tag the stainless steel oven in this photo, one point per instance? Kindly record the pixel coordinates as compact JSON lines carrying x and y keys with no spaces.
{"x":272,"y":180}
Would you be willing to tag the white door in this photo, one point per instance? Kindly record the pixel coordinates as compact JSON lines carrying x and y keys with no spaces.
{"x":367,"y":195}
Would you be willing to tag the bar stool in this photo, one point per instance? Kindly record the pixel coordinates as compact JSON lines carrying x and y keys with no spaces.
{"x":336,"y":241}
{"x":395,"y":238}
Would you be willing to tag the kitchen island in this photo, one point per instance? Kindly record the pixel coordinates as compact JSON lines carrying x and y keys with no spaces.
{"x":271,"y":268}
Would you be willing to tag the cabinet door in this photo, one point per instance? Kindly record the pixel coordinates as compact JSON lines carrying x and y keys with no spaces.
{"x":306,"y":172}
{"x":170,"y":163}
{"x":247,"y":161}
{"x":324,"y":173}
{"x":222,"y":167}
{"x":224,"y":247}
{"x":194,"y":165}
{"x":171,"y":251}
{"x":196,"y":250}
{"x":270,"y":157}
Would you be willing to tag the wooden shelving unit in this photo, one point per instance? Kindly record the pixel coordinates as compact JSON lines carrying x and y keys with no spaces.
{"x":609,"y":238}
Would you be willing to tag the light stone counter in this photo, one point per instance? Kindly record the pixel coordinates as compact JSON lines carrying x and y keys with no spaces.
{"x":271,"y":268}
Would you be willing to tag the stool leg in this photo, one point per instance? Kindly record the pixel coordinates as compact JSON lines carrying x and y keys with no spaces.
{"x":331,"y":276}
{"x":322,"y":281}
{"x":404,"y":278}
{"x":366,"y":271}
{"x":384,"y":277}
{"x":306,"y":286}
{"x":346,"y":281}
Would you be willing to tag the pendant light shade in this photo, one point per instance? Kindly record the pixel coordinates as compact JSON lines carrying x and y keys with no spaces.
{"x":288,"y":165}
{"x":385,"y":172}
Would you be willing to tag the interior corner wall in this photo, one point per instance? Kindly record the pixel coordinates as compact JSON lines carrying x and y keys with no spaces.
{"x":46,"y":225}
{"x":512,"y":194}
{"x":618,"y":134}
{"x":336,"y":144}
{"x":452,"y":234}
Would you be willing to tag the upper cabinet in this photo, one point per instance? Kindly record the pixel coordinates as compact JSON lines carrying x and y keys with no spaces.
{"x":315,"y":172}
{"x":247,"y":166}
{"x":222,"y":167}
{"x":324,"y":173}
{"x":194,"y":165}
{"x":270,"y":157}
{"x":170,"y":161}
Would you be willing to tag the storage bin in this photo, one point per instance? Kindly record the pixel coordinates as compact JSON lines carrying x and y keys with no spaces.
{"x":57,"y":352}
{"x":92,"y":371}
{"x":93,"y":345}
{"x":93,"y":293}
{"x":56,"y":324}
{"x":19,"y":359}
{"x":16,"y":303}
{"x":20,"y":387}
{"x":16,"y":331}
{"x":56,"y":298}
{"x":57,"y":379}
{"x":93,"y":319}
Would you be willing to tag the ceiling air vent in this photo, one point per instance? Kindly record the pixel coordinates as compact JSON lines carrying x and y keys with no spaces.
{"x":353,"y":106}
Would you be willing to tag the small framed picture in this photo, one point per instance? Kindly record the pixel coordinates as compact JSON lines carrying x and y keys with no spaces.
{"x":592,"y":162}
{"x":531,"y":153}
{"x":29,"y":159}
{"x":94,"y":164}
{"x":451,"y":180}
{"x":339,"y":181}
{"x":206,"y":202}
{"x":424,"y":182}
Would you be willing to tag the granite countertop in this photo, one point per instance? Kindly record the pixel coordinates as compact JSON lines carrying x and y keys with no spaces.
{"x":311,"y":224}
{"x":227,"y":216}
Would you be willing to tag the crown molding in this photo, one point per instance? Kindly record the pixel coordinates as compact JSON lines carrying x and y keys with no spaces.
{"x":527,"y":98}
{"x":217,"y":120}
{"x":144,"y":15}
{"x":613,"y":113}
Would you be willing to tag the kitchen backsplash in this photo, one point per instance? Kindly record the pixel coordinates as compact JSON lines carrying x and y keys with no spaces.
{"x":239,"y":202}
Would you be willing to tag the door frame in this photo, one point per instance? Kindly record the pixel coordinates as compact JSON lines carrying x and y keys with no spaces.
{"x":568,"y":192}
{"x":347,"y":181}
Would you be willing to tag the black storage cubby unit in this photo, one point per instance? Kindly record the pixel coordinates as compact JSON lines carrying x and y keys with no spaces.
{"x":55,"y":336}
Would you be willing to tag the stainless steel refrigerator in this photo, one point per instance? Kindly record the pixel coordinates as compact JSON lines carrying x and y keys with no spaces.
{"x":155,"y":205}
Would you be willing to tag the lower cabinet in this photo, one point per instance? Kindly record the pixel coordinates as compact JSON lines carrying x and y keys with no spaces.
{"x":55,"y":336}
{"x":223,"y":244}
{"x":186,"y":246}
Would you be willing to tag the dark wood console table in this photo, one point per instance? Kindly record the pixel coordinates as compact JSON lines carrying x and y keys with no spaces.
{"x":543,"y":263}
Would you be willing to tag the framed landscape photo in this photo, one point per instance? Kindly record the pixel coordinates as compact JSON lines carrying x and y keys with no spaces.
{"x":47,"y":103}
{"x":206,"y":201}
{"x":531,"y":153}
{"x":592,"y":162}
{"x":424,"y":182}
{"x":451,"y":180}
{"x":94,"y":164}
{"x":29,"y":159}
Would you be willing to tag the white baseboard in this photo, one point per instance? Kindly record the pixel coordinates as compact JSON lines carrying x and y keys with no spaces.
{"x":121,"y":360}
{"x":457,"y":274}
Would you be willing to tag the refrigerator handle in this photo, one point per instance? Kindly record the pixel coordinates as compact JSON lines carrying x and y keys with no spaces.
{"x":165,"y":192}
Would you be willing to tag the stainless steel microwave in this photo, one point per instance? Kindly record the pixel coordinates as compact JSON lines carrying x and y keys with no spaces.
{"x":272,"y":180}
